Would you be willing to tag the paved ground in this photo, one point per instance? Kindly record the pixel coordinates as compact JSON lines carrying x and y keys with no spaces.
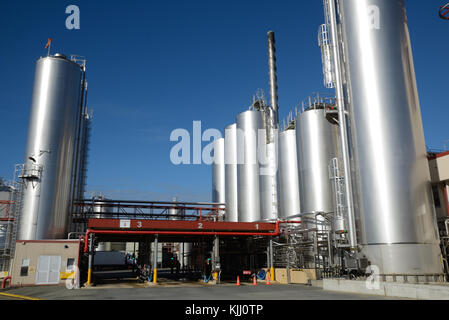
{"x":197,"y":292}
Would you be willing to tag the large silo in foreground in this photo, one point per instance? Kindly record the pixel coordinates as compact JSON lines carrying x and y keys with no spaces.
{"x":50,"y":155}
{"x":391,"y":174}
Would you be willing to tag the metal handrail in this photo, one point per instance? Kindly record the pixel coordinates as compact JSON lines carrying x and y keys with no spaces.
{"x":314,"y":101}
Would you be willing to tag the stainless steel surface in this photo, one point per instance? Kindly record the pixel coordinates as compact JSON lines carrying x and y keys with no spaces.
{"x":344,"y":143}
{"x":317,"y":145}
{"x":392,"y":180}
{"x":268,"y":179}
{"x":231,"y":192}
{"x":218,"y":174}
{"x":155,"y":252}
{"x":185,"y":254}
{"x":100,"y":208}
{"x":55,"y":110}
{"x":248,"y":124}
{"x":273,"y":78}
{"x":268,"y":145}
{"x":173,"y":211}
{"x":102,"y":212}
{"x":326,"y":54}
{"x":288,"y":185}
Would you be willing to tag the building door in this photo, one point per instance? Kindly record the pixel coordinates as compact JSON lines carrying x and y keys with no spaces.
{"x":48,"y":270}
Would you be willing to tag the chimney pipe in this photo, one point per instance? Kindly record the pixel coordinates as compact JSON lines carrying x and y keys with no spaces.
{"x":273,"y":77}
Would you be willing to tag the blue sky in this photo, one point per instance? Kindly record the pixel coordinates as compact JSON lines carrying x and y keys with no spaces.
{"x":155,"y":66}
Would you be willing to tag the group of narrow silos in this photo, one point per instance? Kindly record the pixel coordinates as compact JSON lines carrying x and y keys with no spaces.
{"x":263,"y":174}
{"x":299,"y":182}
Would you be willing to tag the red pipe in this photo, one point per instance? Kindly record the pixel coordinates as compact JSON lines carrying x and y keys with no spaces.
{"x":211,"y":233}
{"x":4,"y":282}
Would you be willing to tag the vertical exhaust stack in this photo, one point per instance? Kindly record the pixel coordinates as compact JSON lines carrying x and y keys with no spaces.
{"x":268,"y":170}
{"x":273,"y":79}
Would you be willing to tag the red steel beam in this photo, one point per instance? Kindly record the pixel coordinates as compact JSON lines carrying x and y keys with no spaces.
{"x":138,"y":232}
{"x":222,"y":233}
{"x":440,"y":155}
{"x":177,"y":225}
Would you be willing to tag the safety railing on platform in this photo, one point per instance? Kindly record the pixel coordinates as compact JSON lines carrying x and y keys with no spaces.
{"x":113,"y":209}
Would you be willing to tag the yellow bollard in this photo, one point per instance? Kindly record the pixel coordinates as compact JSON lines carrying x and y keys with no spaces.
{"x":272,"y":273}
{"x":155,"y":276}
{"x":89,"y":276}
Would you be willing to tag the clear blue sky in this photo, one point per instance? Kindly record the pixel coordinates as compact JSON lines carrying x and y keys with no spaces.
{"x":154,"y":66}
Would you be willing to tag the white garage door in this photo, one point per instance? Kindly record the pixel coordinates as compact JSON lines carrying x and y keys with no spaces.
{"x":48,"y":270}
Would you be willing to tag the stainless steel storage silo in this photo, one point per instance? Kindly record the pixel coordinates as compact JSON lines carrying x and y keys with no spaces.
{"x":218,"y":172}
{"x":49,"y":156}
{"x":317,"y":145}
{"x":248,"y":125}
{"x":231,"y":192}
{"x":392,"y":180}
{"x":268,"y":178}
{"x":288,"y":185}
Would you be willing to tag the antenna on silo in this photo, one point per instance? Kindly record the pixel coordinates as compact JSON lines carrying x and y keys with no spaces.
{"x":48,"y":46}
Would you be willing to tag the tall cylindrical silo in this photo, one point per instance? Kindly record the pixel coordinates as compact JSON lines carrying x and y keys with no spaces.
{"x":248,"y":125}
{"x":317,"y":145}
{"x":231,"y":192}
{"x":288,"y":185}
{"x":268,"y":177}
{"x":218,"y":172}
{"x":392,"y":180}
{"x":49,"y":156}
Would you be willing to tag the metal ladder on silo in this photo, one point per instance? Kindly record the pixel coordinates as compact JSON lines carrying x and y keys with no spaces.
{"x":16,"y":217}
{"x":339,"y":189}
{"x":14,"y":214}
